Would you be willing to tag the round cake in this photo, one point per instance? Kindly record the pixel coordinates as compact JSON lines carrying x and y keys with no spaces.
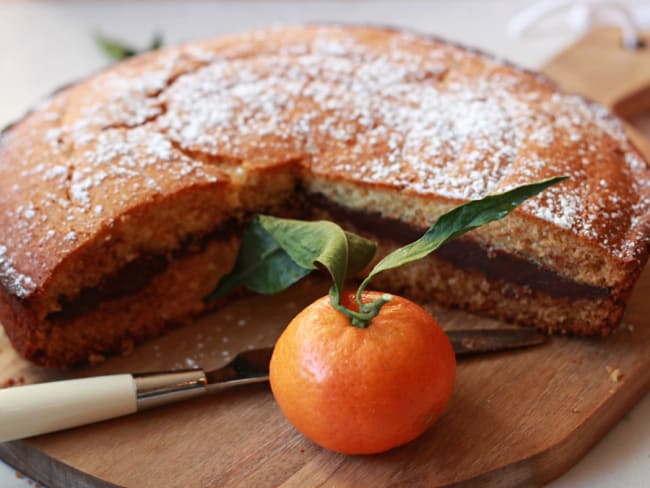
{"x":122,"y":197}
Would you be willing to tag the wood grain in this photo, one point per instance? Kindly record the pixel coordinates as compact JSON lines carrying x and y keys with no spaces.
{"x":599,"y":68}
{"x":519,"y":418}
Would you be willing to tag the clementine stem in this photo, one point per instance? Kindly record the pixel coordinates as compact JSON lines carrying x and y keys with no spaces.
{"x":367,"y":311}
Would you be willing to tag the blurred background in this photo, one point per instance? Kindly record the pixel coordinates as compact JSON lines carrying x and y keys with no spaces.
{"x":45,"y":45}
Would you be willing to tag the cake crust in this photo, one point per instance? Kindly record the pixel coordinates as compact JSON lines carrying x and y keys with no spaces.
{"x":170,"y":145}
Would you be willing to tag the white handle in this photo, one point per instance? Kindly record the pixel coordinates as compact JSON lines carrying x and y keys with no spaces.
{"x":37,"y":409}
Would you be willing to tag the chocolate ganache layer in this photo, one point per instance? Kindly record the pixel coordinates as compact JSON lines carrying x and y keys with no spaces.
{"x":463,"y":253}
{"x":134,"y":276}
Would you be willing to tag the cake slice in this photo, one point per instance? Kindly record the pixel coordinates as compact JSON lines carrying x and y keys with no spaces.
{"x":122,"y":197}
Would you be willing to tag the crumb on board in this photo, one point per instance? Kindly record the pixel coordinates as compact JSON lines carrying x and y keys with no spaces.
{"x":94,"y":359}
{"x":627,"y":327}
{"x":615,"y":374}
{"x":127,"y":347}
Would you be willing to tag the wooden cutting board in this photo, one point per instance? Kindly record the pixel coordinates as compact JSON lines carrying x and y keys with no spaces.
{"x":515,"y":418}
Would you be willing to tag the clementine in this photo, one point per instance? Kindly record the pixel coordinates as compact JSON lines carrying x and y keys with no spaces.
{"x":362,"y":390}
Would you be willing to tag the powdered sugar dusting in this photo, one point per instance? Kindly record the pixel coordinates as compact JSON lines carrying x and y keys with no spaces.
{"x":17,"y":283}
{"x":416,"y":114}
{"x":412,"y":121}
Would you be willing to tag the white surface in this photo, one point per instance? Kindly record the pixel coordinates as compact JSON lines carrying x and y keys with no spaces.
{"x":32,"y":410}
{"x":10,"y":478}
{"x":45,"y":45}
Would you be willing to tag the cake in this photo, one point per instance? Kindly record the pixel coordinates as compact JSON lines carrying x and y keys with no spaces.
{"x":122,"y":197}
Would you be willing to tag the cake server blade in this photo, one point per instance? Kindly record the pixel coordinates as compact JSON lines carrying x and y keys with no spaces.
{"x":468,"y":342}
{"x":37,"y":409}
{"x":252,"y":366}
{"x":247,"y":367}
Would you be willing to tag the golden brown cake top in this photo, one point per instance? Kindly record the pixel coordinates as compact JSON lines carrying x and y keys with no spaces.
{"x":372,"y":106}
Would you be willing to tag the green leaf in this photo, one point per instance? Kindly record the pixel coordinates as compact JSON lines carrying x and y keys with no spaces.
{"x":310,"y":244}
{"x":458,"y":221}
{"x":269,"y":260}
{"x":262,"y":266}
{"x":360,"y":252}
{"x":275,"y":253}
{"x":118,"y":50}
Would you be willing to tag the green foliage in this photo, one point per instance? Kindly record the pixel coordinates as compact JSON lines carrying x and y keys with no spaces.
{"x":275,"y":253}
{"x":459,"y":221}
{"x":118,"y":50}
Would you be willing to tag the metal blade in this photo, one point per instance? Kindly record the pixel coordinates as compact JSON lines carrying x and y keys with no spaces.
{"x":253,"y":366}
{"x":247,"y":367}
{"x":468,"y":342}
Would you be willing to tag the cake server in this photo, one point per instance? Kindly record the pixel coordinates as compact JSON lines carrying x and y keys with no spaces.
{"x":36,"y":409}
